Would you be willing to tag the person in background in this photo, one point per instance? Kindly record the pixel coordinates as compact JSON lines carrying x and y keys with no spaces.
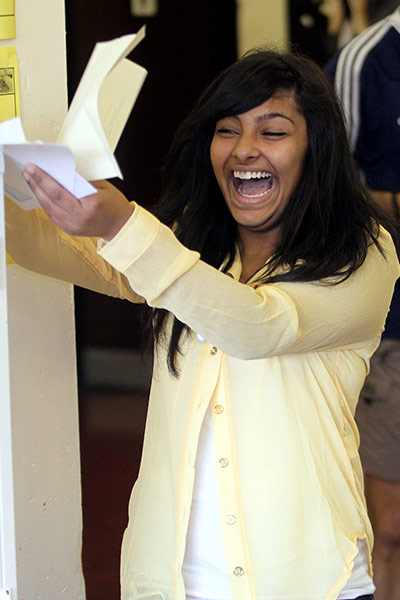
{"x":319,"y":27}
{"x":269,"y":275}
{"x":345,"y":18}
{"x":366,"y":73}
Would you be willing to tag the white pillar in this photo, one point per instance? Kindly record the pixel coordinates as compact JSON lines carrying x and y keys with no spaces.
{"x":43,"y":387}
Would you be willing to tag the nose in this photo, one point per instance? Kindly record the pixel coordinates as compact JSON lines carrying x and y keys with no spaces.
{"x":246,"y":147}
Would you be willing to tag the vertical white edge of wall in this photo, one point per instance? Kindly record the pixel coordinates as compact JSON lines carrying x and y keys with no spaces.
{"x":44,"y":407}
{"x":8,"y":574}
{"x":262,"y":23}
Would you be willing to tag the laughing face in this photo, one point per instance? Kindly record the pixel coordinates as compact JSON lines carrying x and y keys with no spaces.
{"x":258,"y":157}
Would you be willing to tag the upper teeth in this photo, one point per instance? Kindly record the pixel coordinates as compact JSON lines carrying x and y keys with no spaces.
{"x":251,"y":174}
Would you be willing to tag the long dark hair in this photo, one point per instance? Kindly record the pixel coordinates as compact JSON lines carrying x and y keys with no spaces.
{"x":329,"y":220}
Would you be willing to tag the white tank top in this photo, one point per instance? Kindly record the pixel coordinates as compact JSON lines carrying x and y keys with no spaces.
{"x":204,"y":570}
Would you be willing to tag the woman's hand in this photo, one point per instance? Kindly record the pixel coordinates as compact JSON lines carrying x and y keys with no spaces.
{"x":100,"y":215}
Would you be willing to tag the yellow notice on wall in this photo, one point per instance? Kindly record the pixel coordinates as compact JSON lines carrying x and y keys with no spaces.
{"x":9,"y":90}
{"x":9,"y":84}
{"x":7,"y":19}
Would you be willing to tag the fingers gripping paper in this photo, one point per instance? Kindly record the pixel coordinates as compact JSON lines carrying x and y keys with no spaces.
{"x":84,"y":149}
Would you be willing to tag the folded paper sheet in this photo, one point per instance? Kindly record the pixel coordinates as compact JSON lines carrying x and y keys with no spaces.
{"x":56,"y":160}
{"x":90,"y":132}
{"x":101,"y":106}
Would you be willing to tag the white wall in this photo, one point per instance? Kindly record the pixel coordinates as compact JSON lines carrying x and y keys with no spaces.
{"x":262,"y":23}
{"x":42,"y":352}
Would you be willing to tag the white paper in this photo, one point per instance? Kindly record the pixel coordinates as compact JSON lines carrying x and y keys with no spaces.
{"x":56,"y":160}
{"x":11,"y":132}
{"x":90,"y":132}
{"x":101,"y":106}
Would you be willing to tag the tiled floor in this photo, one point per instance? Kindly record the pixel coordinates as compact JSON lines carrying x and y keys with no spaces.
{"x":112,"y":426}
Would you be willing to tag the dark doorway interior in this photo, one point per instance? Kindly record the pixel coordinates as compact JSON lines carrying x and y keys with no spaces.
{"x":186,"y":45}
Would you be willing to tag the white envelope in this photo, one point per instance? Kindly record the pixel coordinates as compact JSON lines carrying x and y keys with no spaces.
{"x":57,"y":161}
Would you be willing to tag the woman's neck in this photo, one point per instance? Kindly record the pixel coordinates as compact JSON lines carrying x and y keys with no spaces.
{"x":255,"y":250}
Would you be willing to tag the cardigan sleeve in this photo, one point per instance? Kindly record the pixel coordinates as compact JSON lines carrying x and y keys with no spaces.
{"x":253,"y":322}
{"x":35,"y":243}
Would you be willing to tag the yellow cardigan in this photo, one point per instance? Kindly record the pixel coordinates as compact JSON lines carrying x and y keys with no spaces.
{"x":282,"y":369}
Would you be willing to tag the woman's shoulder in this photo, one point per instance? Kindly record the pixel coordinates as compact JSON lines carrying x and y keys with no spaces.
{"x":386,"y":241}
{"x":382,"y":256}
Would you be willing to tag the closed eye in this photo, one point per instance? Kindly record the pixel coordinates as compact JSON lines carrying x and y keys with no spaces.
{"x":226,"y":130}
{"x":274,"y":133}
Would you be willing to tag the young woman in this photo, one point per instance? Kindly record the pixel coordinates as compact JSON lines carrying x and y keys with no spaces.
{"x":270,"y":278}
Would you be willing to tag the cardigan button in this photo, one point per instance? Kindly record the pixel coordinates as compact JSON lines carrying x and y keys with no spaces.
{"x":218,"y":409}
{"x":238,"y":571}
{"x":213,"y":350}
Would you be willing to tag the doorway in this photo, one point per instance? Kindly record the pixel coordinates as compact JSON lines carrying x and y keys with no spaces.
{"x":186,"y":45}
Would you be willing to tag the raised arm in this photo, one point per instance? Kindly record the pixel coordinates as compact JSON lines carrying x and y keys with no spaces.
{"x":36,"y":243}
{"x":248,"y":322}
{"x":241,"y":320}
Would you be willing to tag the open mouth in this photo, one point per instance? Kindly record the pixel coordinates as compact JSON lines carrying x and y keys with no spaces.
{"x":252,"y":184}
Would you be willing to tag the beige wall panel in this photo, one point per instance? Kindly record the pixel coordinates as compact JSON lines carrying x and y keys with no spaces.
{"x":262,"y":23}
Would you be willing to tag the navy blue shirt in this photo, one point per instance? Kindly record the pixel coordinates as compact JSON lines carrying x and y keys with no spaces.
{"x":366,"y":72}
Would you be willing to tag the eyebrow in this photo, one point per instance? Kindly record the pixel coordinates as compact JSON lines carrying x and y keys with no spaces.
{"x":269,"y":116}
